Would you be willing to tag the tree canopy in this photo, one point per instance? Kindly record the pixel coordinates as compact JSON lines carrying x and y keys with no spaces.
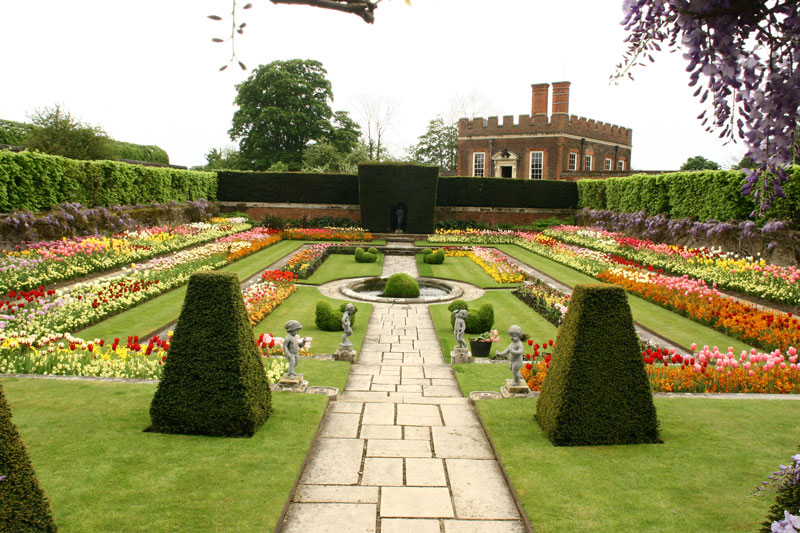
{"x":284,"y":106}
{"x":55,"y":131}
{"x":748,"y":54}
{"x":438,"y":146}
{"x":699,"y":162}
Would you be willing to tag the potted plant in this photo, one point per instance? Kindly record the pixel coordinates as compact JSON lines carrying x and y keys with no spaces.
{"x":481,"y":345}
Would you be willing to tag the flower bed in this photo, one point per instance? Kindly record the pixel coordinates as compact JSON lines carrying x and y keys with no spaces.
{"x":493,"y":262}
{"x":748,"y":275}
{"x":326,"y":234}
{"x":48,"y":262}
{"x":766,"y":329}
{"x":39,"y":312}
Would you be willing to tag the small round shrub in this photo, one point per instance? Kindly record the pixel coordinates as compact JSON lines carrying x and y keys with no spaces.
{"x":327,"y":319}
{"x":366,"y":257}
{"x":476,"y":321}
{"x":359,"y":254}
{"x":373,"y":250}
{"x":401,"y":285}
{"x":435,"y":258}
{"x":426,"y":251}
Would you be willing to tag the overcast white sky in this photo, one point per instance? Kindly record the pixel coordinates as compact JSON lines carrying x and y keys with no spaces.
{"x":147,"y":72}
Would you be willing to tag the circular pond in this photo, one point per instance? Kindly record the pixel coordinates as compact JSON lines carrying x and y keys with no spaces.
{"x":430,"y":291}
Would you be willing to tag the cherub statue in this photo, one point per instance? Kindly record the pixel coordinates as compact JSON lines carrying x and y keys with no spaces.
{"x":514,"y":352}
{"x":291,"y":346}
{"x":460,"y":326}
{"x":349,"y":309}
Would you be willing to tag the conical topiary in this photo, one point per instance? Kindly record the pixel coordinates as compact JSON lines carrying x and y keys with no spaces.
{"x":214,"y":381}
{"x":596,"y":390}
{"x":23,"y":505}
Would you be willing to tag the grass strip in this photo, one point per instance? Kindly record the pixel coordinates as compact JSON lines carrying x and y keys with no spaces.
{"x":103,"y":473}
{"x":664,"y":322}
{"x":339,"y":266}
{"x":508,"y":310}
{"x":698,"y":480}
{"x":153,"y":314}
{"x":324,"y":373}
{"x":301,"y":306}
{"x":460,"y":269}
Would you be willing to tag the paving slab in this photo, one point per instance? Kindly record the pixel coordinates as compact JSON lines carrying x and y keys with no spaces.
{"x":335,"y":493}
{"x":483,"y":526}
{"x":383,"y":472}
{"x":416,"y":502}
{"x":416,"y":433}
{"x":405,"y":525}
{"x":398,"y":448}
{"x":381,"y":432}
{"x":461,"y":443}
{"x":341,"y":425}
{"x":334,"y":462}
{"x":330,"y":518}
{"x":378,"y":414}
{"x":422,"y":472}
{"x":345,"y":407}
{"x":480,"y":490}
{"x":459,"y":415}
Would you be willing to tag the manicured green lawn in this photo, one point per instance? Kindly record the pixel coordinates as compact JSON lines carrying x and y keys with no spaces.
{"x":324,"y":373}
{"x":508,"y":310}
{"x":715,"y":453}
{"x":301,"y":306}
{"x":103,"y":473}
{"x":460,"y":269}
{"x":476,"y":377}
{"x":670,"y":325}
{"x":149,"y":316}
{"x":339,"y":266}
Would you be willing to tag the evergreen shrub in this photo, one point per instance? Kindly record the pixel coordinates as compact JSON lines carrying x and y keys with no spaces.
{"x":298,"y":187}
{"x":366,"y":257}
{"x":493,"y":192}
{"x":435,"y":258}
{"x":591,"y":194}
{"x":477,"y":321}
{"x":426,"y":251}
{"x":373,"y":250}
{"x":381,"y":185}
{"x":214,"y":382}
{"x":596,"y":391}
{"x":401,"y":285}
{"x":325,"y":318}
{"x":23,"y":504}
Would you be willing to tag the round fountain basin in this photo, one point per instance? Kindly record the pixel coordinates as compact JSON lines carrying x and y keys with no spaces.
{"x":430,"y":291}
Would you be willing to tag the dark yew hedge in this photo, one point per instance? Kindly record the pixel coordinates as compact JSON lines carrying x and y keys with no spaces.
{"x":499,"y":192}
{"x":214,"y":382}
{"x":382,"y":187}
{"x":288,"y":187}
{"x":35,"y":181}
{"x":23,"y":504}
{"x":597,"y":391}
{"x":703,"y":195}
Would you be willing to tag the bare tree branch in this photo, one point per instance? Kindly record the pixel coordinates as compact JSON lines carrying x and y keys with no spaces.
{"x":363,"y":8}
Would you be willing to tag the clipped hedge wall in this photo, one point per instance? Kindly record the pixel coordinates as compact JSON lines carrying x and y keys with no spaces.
{"x":34,"y":181}
{"x":139,"y":152}
{"x":294,"y":187}
{"x":597,"y":391}
{"x":704,"y":195}
{"x":499,"y":192}
{"x":23,"y":504}
{"x":214,"y":382}
{"x":382,"y":185}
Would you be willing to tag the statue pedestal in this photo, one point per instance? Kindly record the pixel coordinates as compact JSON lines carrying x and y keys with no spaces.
{"x":459,"y":356}
{"x":294,"y":383}
{"x":509,"y":390}
{"x":345,"y":353}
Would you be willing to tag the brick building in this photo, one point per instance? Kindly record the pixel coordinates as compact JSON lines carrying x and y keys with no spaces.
{"x":542,"y":147}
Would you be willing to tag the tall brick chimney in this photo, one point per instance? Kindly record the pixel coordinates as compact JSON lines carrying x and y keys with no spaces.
{"x":539,"y":98}
{"x":560,"y":97}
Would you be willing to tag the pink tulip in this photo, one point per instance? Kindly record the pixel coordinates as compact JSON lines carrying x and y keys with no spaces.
{"x":751,"y":373}
{"x":693,"y":346}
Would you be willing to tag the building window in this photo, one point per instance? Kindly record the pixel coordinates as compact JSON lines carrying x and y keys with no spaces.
{"x":573,"y":162}
{"x":479,"y":164}
{"x":587,"y":162}
{"x":621,"y":164}
{"x":608,"y":164}
{"x":537,"y":166}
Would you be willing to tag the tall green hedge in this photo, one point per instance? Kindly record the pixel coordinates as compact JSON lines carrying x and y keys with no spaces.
{"x":214,"y":382}
{"x":139,"y":152}
{"x":23,"y":504}
{"x":596,"y":391}
{"x":300,"y":187}
{"x":704,"y":195}
{"x":499,"y":192}
{"x":30,"y":180}
{"x":382,"y":185}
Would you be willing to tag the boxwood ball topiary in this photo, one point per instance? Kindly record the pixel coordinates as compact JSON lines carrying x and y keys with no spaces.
{"x":596,"y":391}
{"x":23,"y":504}
{"x":214,"y":381}
{"x":401,"y":285}
{"x":373,"y":250}
{"x":366,"y":257}
{"x":435,"y":258}
{"x":477,"y":321}
{"x":327,"y":320}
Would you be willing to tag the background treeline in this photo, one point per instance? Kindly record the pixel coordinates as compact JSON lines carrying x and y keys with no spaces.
{"x":702,"y":196}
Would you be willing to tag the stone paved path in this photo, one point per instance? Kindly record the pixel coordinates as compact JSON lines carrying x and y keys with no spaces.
{"x":402,"y":450}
